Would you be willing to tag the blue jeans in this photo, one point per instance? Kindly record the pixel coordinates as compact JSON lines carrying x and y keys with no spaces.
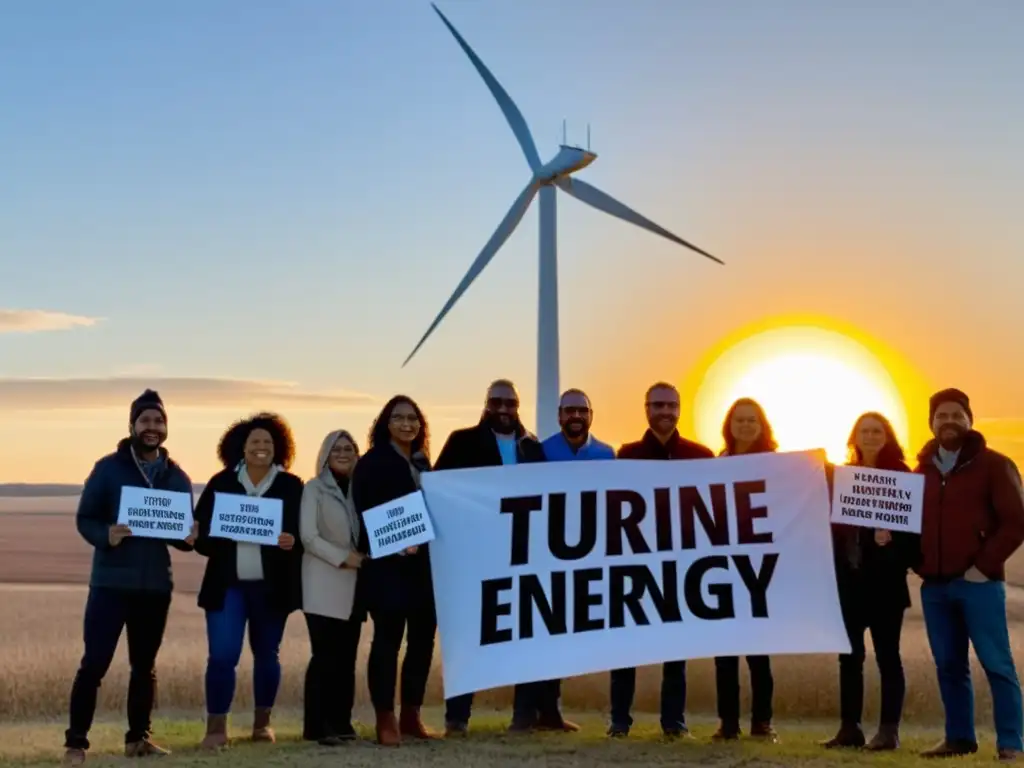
{"x":244,"y":602}
{"x":962,"y":612}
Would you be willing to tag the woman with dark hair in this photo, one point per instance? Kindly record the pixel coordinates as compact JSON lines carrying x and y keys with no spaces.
{"x":745,"y":429}
{"x":871,"y":574}
{"x":397,"y":589}
{"x":329,"y":526}
{"x":245,"y":583}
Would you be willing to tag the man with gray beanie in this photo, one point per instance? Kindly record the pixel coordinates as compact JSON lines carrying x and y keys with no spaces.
{"x":130,"y":586}
{"x":973,"y":521}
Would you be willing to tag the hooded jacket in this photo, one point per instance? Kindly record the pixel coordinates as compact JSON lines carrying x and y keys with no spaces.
{"x":137,"y":563}
{"x":974,"y":516}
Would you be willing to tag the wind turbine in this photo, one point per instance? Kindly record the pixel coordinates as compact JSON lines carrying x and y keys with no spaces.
{"x":544,"y":180}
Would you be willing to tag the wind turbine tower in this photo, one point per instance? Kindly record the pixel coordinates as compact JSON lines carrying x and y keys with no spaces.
{"x":545,"y":180}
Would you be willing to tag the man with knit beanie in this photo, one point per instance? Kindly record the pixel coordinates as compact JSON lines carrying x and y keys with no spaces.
{"x":973,"y":521}
{"x":130,"y":586}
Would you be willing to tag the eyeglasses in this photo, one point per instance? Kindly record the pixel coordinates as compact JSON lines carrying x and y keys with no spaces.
{"x":409,"y":418}
{"x":498,"y":402}
{"x":663,"y":404}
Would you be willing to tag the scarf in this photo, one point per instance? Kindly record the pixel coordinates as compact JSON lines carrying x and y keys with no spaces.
{"x":265,"y":483}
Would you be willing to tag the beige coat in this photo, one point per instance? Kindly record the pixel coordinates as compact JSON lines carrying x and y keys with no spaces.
{"x":329,"y":529}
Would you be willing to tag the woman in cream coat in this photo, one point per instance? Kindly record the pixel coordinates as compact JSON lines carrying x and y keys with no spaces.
{"x":329,"y":528}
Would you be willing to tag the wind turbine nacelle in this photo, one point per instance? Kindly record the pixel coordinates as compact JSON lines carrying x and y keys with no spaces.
{"x":567,"y":161}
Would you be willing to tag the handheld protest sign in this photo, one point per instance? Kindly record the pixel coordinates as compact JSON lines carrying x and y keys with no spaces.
{"x":397,"y":525}
{"x":154,"y":514}
{"x":878,"y":498}
{"x":250,"y":519}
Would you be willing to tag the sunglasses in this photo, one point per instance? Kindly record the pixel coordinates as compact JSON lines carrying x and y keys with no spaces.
{"x":497,"y":402}
{"x":575,"y":410}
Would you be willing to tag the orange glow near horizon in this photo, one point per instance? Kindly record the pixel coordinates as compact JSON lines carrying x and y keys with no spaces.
{"x":812,"y":382}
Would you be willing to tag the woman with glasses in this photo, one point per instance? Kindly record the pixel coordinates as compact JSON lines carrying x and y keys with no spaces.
{"x":329,"y":528}
{"x":397,"y":589}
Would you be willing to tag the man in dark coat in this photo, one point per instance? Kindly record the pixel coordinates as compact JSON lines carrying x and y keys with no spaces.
{"x":661,"y":441}
{"x":131,"y":581}
{"x":500,"y":439}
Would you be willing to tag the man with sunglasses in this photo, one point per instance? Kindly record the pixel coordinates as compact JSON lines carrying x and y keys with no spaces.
{"x":498,"y":439}
{"x":661,"y":441}
{"x":574,"y":442}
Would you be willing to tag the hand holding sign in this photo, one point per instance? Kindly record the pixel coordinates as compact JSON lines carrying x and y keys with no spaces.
{"x":154,"y":514}
{"x":117,"y":533}
{"x":882,"y":499}
{"x":286,"y":541}
{"x":398,"y":527}
{"x":354,"y":560}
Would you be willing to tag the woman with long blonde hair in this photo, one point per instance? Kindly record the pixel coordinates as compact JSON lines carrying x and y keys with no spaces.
{"x":329,"y":528}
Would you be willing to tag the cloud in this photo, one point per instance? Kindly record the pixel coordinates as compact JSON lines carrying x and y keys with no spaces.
{"x":37,"y":320}
{"x":181,"y":392}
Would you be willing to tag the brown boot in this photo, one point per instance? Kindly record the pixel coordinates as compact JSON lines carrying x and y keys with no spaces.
{"x":887,"y":738}
{"x":1009,"y":755}
{"x":849,"y":736}
{"x":73,"y":757}
{"x":261,"y":730}
{"x":216,"y":732}
{"x":726,"y":731}
{"x":388,"y":734}
{"x":764,"y":732}
{"x":410,"y":724}
{"x":144,"y":748}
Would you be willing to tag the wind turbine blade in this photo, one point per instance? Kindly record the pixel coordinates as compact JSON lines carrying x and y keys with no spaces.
{"x":593,"y":196}
{"x":501,"y":234}
{"x":508,"y":107}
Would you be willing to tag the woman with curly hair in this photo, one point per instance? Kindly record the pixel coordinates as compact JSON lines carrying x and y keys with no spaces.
{"x":398,"y":589}
{"x":745,"y":429}
{"x":244,"y":583}
{"x":871,"y":574}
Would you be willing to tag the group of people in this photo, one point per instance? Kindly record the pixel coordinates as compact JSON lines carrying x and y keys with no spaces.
{"x":973,"y":521}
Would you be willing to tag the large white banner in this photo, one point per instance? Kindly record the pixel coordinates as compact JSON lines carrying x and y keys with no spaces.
{"x":562,"y":569}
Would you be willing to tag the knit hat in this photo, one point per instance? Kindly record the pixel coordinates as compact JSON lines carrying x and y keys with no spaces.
{"x":147,"y":401}
{"x":950,"y":395}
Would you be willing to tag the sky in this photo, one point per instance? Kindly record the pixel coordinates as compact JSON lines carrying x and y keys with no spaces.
{"x":254,"y":205}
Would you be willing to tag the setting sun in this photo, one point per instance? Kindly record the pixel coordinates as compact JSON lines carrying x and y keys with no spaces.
{"x":813,"y":384}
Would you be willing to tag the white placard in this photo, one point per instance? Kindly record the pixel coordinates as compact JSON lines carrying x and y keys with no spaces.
{"x":401,"y":523}
{"x":252,"y":519}
{"x":550,"y":570}
{"x":153,"y":514}
{"x":877,"y":498}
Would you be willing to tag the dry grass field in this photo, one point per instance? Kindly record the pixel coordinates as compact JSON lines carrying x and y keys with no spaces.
{"x":43,"y":566}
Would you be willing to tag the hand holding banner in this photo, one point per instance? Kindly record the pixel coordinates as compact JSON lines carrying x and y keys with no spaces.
{"x":556,"y":570}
